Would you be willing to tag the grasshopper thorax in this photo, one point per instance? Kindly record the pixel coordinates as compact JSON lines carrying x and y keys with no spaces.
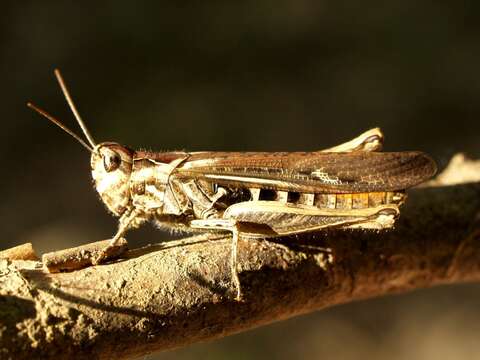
{"x":111,"y":168}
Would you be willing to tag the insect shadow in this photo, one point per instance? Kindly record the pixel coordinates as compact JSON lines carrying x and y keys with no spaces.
{"x":219,"y":288}
{"x":40,"y":281}
{"x":14,"y":308}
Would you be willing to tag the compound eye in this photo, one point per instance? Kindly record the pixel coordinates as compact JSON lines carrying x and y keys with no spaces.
{"x":111,"y":162}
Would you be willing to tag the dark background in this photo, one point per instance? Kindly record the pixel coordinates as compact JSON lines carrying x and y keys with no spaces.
{"x":253,"y":75}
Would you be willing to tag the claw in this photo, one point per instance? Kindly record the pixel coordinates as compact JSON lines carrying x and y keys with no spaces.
{"x":109,"y":252}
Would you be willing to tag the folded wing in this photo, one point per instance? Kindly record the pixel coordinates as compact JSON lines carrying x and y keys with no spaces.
{"x":311,"y":171}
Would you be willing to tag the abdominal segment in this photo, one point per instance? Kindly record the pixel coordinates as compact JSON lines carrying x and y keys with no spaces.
{"x":288,"y":213}
{"x":324,"y":201}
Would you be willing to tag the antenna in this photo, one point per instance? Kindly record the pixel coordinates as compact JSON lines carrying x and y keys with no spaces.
{"x":72,"y":107}
{"x":60,"y":125}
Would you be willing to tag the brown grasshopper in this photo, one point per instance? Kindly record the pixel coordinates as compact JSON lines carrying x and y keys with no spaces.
{"x":252,"y":194}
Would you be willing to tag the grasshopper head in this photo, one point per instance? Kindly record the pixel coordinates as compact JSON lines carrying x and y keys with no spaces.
{"x":111,"y":168}
{"x":111,"y":162}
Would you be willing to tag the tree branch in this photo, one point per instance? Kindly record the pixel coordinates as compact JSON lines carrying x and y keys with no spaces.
{"x":177,"y":293}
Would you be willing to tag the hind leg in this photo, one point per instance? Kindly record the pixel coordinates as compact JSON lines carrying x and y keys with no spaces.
{"x":371,"y":140}
{"x":227,"y":225}
{"x":284,"y":219}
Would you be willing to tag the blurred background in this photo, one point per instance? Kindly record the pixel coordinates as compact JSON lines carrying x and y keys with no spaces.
{"x":253,"y":75}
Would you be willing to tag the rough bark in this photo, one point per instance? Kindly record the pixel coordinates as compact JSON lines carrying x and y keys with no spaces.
{"x":81,"y":256}
{"x":20,"y":252}
{"x":179,"y":292}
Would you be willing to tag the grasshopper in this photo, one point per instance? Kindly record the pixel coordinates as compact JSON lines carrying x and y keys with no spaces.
{"x":252,"y":194}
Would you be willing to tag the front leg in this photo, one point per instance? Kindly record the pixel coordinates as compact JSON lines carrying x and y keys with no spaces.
{"x":130,"y":219}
